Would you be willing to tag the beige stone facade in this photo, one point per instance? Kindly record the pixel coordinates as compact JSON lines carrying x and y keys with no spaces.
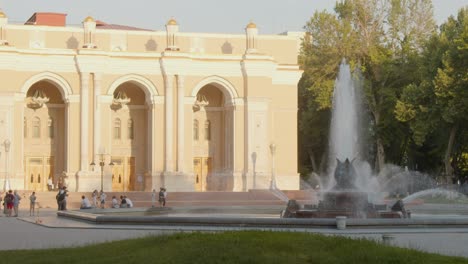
{"x":188,"y":111}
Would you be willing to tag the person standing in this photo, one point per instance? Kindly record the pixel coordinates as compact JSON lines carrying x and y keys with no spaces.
{"x":16,"y":202}
{"x":62,"y":199}
{"x":102,"y":197}
{"x":153,"y":198}
{"x":162,"y":198}
{"x":94,"y":196}
{"x":32,"y":204}
{"x":9,"y":201}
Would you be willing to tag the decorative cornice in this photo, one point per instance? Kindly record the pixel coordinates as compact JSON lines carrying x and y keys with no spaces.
{"x":264,"y":68}
{"x":287,"y":77}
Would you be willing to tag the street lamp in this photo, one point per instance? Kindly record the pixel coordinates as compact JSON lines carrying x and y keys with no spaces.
{"x":7,"y":144}
{"x":102,"y":159}
{"x":273,"y":179}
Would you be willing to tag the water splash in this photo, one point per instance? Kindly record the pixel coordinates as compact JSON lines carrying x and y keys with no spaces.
{"x":447,"y":194}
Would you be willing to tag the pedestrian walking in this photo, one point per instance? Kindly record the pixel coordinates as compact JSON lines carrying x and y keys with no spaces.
{"x":32,"y":204}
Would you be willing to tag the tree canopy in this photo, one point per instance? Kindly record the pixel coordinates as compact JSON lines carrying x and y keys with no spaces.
{"x":414,"y":81}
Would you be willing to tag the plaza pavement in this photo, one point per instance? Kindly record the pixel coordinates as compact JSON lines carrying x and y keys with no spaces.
{"x":55,"y":232}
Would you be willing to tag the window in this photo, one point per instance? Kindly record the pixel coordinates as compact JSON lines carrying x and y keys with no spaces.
{"x":207,"y":130}
{"x":25,"y":127}
{"x":117,"y":128}
{"x":195,"y":129}
{"x":36,"y":124}
{"x":50,"y":125}
{"x":130,"y":129}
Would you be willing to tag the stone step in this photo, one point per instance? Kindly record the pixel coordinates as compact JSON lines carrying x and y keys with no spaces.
{"x":47,"y":199}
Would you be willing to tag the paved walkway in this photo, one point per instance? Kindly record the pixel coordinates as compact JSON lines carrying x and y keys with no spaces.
{"x":55,"y":232}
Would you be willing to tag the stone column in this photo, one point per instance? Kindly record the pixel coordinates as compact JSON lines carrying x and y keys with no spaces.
{"x":169,"y":163}
{"x":84,"y":116}
{"x":180,"y":124}
{"x":97,"y":114}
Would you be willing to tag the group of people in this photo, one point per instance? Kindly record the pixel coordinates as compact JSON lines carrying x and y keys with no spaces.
{"x":11,"y":202}
{"x":99,"y":201}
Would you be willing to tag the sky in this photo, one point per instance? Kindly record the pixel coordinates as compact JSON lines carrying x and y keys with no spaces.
{"x":213,"y":16}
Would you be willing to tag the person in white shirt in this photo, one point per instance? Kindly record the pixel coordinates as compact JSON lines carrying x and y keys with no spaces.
{"x":115,"y":203}
{"x":50,"y":184}
{"x":85,"y":204}
{"x":102,"y":197}
{"x":129,"y":202}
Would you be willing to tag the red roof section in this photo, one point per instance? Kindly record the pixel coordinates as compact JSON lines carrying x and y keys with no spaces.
{"x":47,"y":19}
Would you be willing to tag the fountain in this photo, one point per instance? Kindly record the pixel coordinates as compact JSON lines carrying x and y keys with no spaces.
{"x":349,"y":195}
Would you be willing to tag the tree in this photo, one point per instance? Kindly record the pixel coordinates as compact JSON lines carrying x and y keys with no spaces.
{"x":369,"y":34}
{"x":438,"y":103}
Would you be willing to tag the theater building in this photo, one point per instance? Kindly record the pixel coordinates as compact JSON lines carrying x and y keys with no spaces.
{"x":132,"y":110}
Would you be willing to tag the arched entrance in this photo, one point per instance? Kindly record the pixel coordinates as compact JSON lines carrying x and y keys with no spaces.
{"x":129,"y":137}
{"x":44,"y":135}
{"x":213,"y":139}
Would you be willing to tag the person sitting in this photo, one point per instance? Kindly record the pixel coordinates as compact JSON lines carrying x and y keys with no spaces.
{"x":85,"y":203}
{"x":129,"y":202}
{"x":115,"y":203}
{"x":123,"y":202}
{"x":399,"y":206}
{"x":50,"y":184}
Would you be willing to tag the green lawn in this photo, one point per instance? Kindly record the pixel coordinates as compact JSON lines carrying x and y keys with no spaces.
{"x":230,"y":247}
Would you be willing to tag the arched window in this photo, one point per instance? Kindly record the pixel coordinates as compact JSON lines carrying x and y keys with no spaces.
{"x":36,"y":125}
{"x":207,"y":130}
{"x":25,"y":127}
{"x":195,"y":129}
{"x":117,"y":128}
{"x":50,"y":125}
{"x":130,"y":129}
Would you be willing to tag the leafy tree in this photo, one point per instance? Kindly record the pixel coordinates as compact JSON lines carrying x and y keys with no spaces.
{"x":438,"y":103}
{"x":379,"y":38}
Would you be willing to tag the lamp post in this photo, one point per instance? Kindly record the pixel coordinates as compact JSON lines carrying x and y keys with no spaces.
{"x":102,"y":159}
{"x":273,"y":179}
{"x":7,"y":144}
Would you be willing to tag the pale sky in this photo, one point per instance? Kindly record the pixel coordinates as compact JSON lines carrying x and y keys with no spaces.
{"x":214,"y":16}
